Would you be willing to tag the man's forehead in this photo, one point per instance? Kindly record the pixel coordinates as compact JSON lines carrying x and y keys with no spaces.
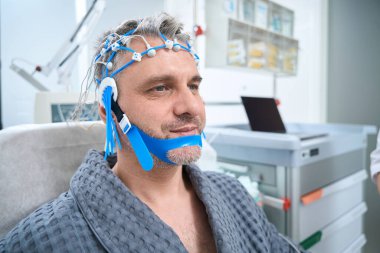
{"x":166,"y":63}
{"x":154,"y":71}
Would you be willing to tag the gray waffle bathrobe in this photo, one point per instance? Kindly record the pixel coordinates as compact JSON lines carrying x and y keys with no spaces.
{"x":100,"y":214}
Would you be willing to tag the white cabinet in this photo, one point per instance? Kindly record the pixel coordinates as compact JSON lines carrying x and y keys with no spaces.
{"x":313,"y":189}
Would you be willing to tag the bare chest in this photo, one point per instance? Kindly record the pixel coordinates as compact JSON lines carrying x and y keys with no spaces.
{"x":190,"y":223}
{"x":196,"y":236}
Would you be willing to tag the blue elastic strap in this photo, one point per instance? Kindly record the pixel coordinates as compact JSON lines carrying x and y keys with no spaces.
{"x":97,"y":57}
{"x":109,"y":60}
{"x":163,"y":37}
{"x":161,"y":147}
{"x":111,"y":57}
{"x":183,"y":47}
{"x":141,"y":151}
{"x":111,"y":131}
{"x":130,"y":32}
{"x":153,"y":48}
{"x":122,"y":68}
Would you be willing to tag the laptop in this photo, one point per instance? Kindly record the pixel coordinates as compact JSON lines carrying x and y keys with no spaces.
{"x":263,"y":116}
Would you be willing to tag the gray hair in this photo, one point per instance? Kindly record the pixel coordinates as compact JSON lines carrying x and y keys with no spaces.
{"x":150,"y":26}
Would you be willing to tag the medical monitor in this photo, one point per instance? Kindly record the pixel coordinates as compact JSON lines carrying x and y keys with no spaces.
{"x":53,"y":107}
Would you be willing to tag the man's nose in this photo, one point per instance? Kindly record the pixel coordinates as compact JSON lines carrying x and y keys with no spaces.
{"x":188,"y":102}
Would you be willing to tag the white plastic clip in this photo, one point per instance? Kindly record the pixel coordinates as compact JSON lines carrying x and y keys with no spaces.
{"x":151,"y":52}
{"x":110,"y":37}
{"x":176,"y":47}
{"x":125,"y":124}
{"x":169,"y":44}
{"x":124,"y":40}
{"x":108,"y":81}
{"x":103,"y":51}
{"x":109,"y":65}
{"x":115,"y":47}
{"x":136,"y":56}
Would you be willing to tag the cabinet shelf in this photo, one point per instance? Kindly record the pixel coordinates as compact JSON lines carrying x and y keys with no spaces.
{"x":237,"y":44}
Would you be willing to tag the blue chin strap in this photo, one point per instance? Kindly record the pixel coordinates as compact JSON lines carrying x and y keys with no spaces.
{"x":161,"y":147}
{"x":144,"y":144}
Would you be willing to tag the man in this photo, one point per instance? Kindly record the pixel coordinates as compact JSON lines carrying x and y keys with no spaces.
{"x":375,"y":163}
{"x":152,"y":199}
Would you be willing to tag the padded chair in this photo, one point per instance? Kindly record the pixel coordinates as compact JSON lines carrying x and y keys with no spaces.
{"x":37,"y":163}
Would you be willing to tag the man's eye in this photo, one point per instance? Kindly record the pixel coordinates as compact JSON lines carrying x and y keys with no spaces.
{"x":160,"y":88}
{"x":193,"y":87}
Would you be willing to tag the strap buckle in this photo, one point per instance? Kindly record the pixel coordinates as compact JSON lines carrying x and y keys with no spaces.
{"x":125,"y":124}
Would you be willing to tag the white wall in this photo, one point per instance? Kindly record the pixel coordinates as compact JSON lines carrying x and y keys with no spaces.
{"x":354,"y":85}
{"x":33,"y":30}
{"x":304,"y":96}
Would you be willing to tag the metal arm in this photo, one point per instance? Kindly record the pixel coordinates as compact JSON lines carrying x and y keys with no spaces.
{"x":68,"y":50}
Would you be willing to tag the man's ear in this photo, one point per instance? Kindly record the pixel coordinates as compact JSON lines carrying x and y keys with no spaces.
{"x":102,"y":112}
{"x":377,"y":179}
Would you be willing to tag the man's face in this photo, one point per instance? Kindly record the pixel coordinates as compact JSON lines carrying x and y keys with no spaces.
{"x":161,"y":96}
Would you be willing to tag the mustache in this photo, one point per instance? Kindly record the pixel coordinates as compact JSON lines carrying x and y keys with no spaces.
{"x":182,"y":121}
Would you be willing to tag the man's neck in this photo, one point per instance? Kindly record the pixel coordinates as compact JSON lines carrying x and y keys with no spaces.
{"x":156,"y":187}
{"x":169,"y":193}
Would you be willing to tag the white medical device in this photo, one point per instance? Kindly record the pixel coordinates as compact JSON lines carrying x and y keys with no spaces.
{"x":51,"y":107}
{"x":63,"y":59}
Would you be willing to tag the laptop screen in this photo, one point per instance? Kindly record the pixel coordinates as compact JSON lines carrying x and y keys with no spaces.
{"x":263,"y":114}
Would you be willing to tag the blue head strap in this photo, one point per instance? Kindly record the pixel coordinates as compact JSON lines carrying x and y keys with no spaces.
{"x":141,"y":143}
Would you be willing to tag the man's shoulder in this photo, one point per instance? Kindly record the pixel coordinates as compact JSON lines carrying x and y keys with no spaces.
{"x":222,"y":180}
{"x":228,"y":186}
{"x":53,"y":225}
